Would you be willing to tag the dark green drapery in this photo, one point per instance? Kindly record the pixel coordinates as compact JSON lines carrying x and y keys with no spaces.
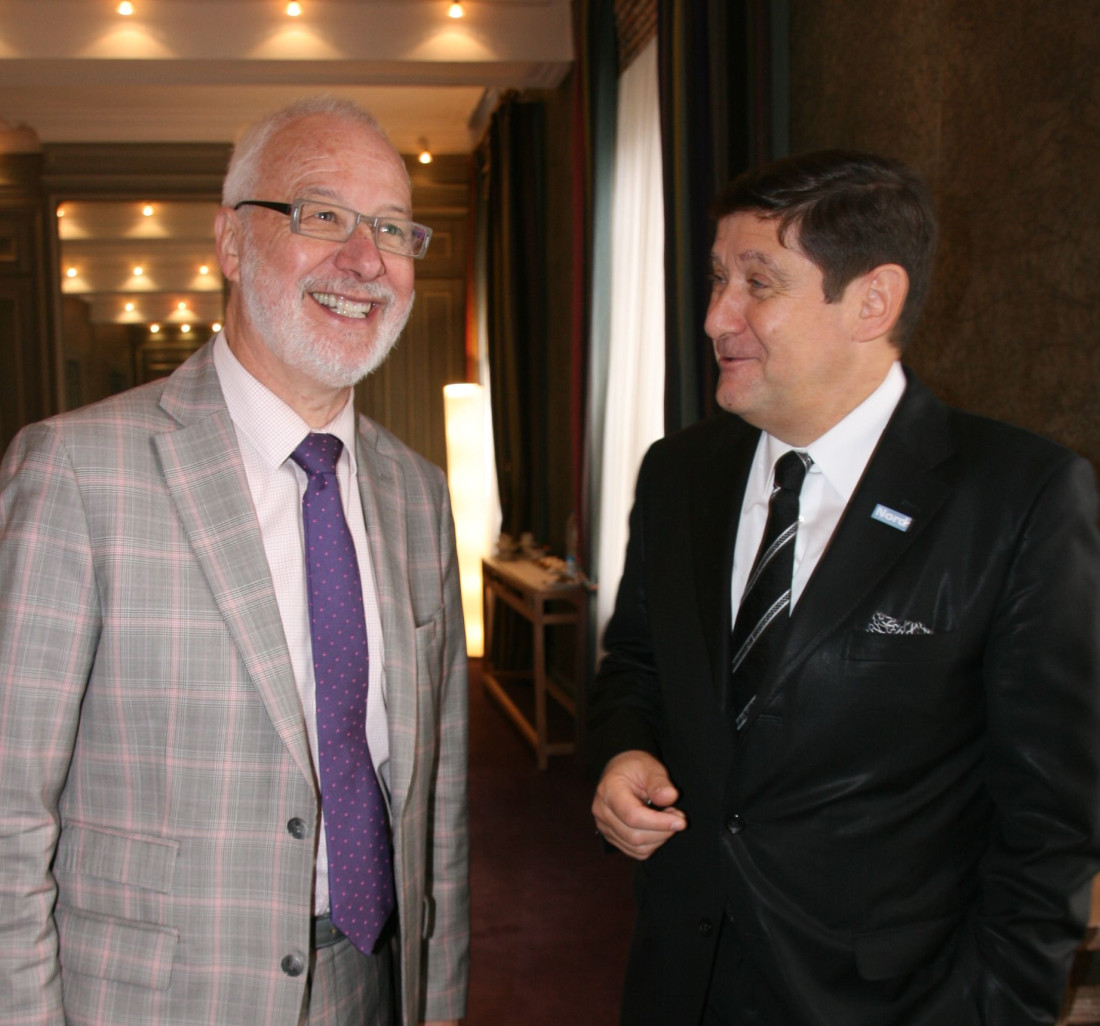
{"x":516,"y":300}
{"x":722,"y":68}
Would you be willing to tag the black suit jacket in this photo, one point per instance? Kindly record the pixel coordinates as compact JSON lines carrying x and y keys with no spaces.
{"x":906,"y":828}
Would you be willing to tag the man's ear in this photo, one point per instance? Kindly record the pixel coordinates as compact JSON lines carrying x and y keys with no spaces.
{"x":227,"y":243}
{"x":881,"y":294}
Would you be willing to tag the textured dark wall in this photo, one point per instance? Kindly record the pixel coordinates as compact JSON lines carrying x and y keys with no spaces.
{"x":997,"y":103}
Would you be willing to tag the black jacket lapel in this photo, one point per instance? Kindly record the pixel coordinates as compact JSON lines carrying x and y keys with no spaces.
{"x":718,"y":489}
{"x":900,"y":477}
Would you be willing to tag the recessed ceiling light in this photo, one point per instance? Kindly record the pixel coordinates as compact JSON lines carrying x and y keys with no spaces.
{"x":139,"y":271}
{"x":185,"y":328}
{"x":204,"y":269}
{"x":293,"y":9}
{"x":455,"y":10}
{"x":154,"y":328}
{"x":126,"y":8}
{"x":71,"y":272}
{"x":425,"y":155}
{"x":147,"y":210}
{"x":216,"y":326}
{"x":129,"y":308}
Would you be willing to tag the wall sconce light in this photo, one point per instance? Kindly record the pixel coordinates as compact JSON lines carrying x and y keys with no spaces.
{"x":293,"y":9}
{"x":147,"y":210}
{"x":425,"y":154}
{"x":71,"y":272}
{"x":154,"y":328}
{"x":126,"y":8}
{"x":464,"y":416}
{"x":139,"y":271}
{"x":216,"y":327}
{"x":185,"y":329}
{"x":455,"y":10}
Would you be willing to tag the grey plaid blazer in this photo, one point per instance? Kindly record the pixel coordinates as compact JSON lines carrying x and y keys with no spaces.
{"x":152,"y":746}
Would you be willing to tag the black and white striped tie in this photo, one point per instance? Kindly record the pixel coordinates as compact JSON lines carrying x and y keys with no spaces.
{"x":764,"y":614}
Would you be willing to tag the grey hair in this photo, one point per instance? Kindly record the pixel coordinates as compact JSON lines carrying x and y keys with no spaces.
{"x":245,"y":165}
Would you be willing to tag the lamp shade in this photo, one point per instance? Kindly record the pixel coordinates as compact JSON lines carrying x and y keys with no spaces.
{"x":464,"y":414}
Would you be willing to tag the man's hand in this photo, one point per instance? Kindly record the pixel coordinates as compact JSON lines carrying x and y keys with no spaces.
{"x":633,"y":804}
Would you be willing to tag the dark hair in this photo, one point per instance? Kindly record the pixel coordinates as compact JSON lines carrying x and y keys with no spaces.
{"x":852,"y":212}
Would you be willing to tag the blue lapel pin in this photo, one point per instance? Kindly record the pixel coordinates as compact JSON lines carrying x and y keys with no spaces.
{"x":891,"y":518}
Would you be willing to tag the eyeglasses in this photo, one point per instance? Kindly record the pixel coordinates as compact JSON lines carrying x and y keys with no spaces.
{"x":320,"y":220}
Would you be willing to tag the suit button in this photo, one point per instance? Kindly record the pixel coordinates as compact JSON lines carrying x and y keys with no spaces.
{"x":296,"y":828}
{"x":735,"y":824}
{"x":293,"y":965}
{"x":706,"y":927}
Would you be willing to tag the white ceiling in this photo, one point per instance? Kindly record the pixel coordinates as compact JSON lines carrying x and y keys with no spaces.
{"x":201,"y":70}
{"x":76,"y":71}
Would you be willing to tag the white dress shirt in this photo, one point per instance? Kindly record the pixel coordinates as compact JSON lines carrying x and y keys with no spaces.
{"x":840,"y":456}
{"x":268,"y":431}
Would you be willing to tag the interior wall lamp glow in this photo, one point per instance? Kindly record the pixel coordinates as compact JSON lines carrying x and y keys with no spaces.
{"x":455,"y":10}
{"x":425,"y":154}
{"x":293,"y":9}
{"x":126,"y":8}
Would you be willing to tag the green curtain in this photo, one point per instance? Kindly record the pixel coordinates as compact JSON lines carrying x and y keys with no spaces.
{"x":723,"y":73}
{"x":516,"y":324}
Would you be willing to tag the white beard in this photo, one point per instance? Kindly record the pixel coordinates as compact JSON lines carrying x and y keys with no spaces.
{"x":336,"y":357}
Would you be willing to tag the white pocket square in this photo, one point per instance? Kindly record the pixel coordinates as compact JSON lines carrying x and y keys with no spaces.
{"x":884,"y":623}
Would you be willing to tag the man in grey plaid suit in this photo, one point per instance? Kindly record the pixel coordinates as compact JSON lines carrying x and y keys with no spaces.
{"x":162,"y":843}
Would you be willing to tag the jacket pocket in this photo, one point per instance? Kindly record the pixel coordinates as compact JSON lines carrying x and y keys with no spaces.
{"x":121,"y":950}
{"x":135,"y":860}
{"x":882,"y":954}
{"x":901,"y":648}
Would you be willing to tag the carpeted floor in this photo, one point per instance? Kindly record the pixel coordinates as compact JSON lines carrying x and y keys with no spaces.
{"x":551,"y":913}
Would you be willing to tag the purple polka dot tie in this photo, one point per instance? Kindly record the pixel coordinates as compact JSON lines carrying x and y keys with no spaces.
{"x":361,"y":888}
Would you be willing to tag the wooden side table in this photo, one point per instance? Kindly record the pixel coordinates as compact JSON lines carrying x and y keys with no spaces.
{"x":544,"y":601}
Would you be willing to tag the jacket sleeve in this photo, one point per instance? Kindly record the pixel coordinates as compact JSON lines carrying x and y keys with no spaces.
{"x":49,"y":628}
{"x":1042,"y":685}
{"x":446,"y":956}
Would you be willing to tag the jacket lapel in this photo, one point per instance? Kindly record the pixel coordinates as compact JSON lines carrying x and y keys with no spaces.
{"x":382,"y":491}
{"x":206,"y":478}
{"x":901,"y":476}
{"x":718,"y":489}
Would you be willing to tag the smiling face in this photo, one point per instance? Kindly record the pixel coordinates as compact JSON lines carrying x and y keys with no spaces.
{"x":309,"y":317}
{"x":789,"y":362}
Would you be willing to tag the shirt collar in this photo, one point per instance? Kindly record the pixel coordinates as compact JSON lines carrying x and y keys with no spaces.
{"x":843,"y":452}
{"x":272,"y":427}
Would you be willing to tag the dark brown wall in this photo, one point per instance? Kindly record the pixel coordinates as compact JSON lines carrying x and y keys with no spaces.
{"x":997,"y":102}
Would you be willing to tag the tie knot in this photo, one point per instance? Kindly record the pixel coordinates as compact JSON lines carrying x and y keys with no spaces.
{"x":317,"y":453}
{"x":790,"y":470}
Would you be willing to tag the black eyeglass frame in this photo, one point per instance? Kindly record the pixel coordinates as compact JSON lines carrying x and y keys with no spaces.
{"x":294,"y":211}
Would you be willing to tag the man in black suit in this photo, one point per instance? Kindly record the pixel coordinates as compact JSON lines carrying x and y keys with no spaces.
{"x":880,"y":806}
